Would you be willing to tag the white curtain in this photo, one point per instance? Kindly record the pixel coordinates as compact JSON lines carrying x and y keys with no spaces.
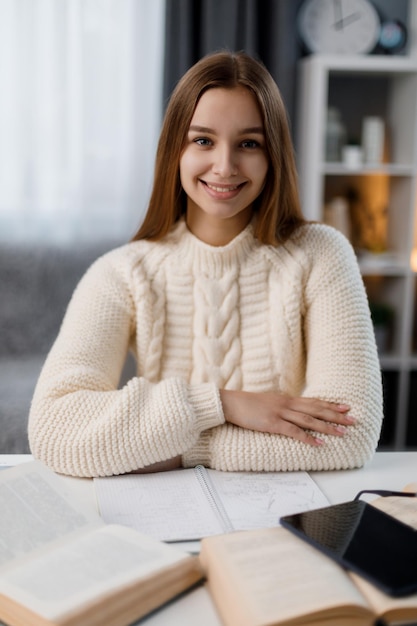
{"x":80,"y":112}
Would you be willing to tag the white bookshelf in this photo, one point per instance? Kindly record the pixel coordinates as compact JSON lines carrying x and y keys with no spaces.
{"x":387,"y":87}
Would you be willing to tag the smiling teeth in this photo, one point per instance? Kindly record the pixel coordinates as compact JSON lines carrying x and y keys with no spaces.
{"x":222,"y":189}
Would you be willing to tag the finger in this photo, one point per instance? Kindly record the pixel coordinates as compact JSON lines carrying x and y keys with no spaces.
{"x":321,"y":410}
{"x":294,"y":432}
{"x":314,"y":405}
{"x":308,"y":422}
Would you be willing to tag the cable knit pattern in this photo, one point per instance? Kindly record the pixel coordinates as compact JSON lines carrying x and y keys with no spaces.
{"x":216,"y":346}
{"x":293,"y":318}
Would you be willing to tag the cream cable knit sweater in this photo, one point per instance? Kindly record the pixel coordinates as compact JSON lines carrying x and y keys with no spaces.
{"x":198,"y":318}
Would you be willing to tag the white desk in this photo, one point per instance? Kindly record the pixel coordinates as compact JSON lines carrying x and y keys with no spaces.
{"x":387,"y":470}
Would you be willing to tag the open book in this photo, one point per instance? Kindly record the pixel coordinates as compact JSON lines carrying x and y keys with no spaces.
{"x":189,"y":504}
{"x":60,"y":564}
{"x":270,"y":577}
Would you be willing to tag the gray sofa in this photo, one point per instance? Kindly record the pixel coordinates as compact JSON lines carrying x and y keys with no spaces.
{"x":36,"y":283}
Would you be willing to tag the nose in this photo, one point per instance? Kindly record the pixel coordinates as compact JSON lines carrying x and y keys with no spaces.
{"x":225,"y":162}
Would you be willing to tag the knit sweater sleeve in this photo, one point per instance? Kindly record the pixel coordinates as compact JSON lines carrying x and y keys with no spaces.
{"x":80,"y":423}
{"x":341,"y":365}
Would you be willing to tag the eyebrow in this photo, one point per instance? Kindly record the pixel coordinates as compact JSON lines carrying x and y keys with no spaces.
{"x":252,"y":130}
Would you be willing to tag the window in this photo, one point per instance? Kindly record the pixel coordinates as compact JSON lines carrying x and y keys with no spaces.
{"x":80,"y":109}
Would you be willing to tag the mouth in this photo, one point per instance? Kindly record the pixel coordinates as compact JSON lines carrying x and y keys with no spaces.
{"x":225,"y":191}
{"x":221,"y":188}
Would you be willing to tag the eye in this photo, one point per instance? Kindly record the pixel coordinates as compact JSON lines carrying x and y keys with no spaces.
{"x":202,"y":141}
{"x":250,"y":144}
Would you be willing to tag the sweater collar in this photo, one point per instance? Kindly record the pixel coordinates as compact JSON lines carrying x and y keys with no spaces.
{"x":214,"y":260}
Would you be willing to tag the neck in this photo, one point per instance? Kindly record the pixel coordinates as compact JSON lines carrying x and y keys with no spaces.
{"x":217,"y":231}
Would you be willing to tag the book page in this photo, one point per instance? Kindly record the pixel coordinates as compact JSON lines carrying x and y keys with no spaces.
{"x":270,"y":576}
{"x":401,"y":609}
{"x":96,"y":563}
{"x":259,"y":499}
{"x":169,"y":506}
{"x":36,"y":509}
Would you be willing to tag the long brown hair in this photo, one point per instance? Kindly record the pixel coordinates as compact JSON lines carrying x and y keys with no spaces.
{"x":277,"y":208}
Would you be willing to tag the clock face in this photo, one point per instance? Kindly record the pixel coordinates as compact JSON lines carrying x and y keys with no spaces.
{"x":339,"y":26}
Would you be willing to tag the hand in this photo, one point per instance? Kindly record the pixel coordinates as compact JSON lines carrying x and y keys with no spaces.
{"x":275,"y":413}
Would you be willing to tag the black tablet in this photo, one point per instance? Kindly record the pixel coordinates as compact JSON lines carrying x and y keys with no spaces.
{"x":365,"y":540}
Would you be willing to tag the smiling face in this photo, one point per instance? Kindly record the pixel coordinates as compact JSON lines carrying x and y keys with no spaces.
{"x":224,"y":164}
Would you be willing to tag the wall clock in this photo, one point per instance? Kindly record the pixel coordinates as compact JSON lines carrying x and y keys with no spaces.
{"x":339,"y":26}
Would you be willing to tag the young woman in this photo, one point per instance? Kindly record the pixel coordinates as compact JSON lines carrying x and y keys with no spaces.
{"x":250,"y":328}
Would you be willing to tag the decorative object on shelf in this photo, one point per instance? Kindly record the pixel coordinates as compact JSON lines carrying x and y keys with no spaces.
{"x":373,"y":137}
{"x":369,"y":217}
{"x":339,"y":27}
{"x":392,"y":36}
{"x":352,"y":156}
{"x":336,"y":214}
{"x":335,"y":135}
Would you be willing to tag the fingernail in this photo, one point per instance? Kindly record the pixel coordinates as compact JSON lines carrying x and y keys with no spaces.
{"x":343,"y":407}
{"x":351,"y":419}
{"x":340,"y":429}
{"x":319,"y":441}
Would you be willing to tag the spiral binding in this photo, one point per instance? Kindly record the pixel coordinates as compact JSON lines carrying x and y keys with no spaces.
{"x":216,"y":504}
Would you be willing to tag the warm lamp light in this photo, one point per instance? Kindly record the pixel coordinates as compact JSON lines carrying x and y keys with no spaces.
{"x":413,"y":260}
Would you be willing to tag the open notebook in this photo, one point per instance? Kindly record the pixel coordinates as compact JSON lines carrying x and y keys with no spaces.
{"x":189,"y":504}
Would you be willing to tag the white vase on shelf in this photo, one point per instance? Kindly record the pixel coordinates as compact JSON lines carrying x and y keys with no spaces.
{"x":373,"y":136}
